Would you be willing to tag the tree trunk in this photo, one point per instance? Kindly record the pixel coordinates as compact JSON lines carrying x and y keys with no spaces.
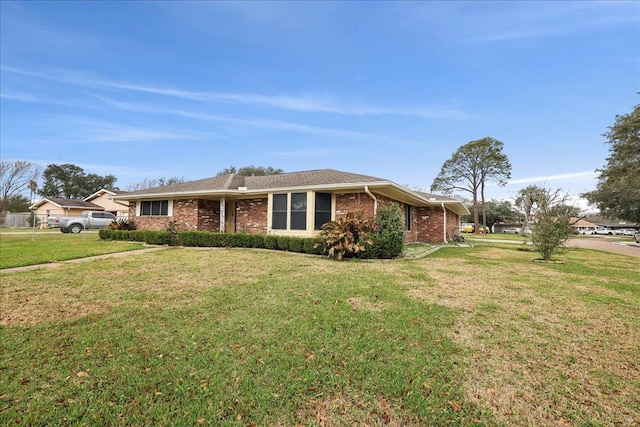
{"x":476,"y":219}
{"x":484,"y":211}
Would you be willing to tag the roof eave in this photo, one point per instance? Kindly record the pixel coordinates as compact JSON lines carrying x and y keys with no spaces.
{"x":409,"y":195}
{"x":258,"y":191}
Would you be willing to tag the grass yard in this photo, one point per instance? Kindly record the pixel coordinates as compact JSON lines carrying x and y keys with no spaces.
{"x":465,"y":336}
{"x":499,"y":236}
{"x":18,"y":249}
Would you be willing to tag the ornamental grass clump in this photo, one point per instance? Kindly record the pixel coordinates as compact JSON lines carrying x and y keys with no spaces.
{"x":122,"y":224}
{"x":346,"y":236}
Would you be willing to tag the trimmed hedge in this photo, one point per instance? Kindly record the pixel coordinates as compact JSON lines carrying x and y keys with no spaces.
{"x":152,"y":237}
{"x":308,"y":245}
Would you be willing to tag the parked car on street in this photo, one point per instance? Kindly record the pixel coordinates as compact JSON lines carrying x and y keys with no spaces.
{"x":625,"y":232}
{"x":586,"y":232}
{"x":604,"y":231}
{"x":511,"y":230}
{"x":471,"y":228}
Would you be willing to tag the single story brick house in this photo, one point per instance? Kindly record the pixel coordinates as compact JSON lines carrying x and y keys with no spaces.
{"x":294,"y":204}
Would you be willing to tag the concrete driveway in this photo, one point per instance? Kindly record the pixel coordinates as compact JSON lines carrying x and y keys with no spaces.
{"x":600,"y":243}
{"x":607,"y":244}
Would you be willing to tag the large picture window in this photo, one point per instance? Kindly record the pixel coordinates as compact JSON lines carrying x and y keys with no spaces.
{"x":154,"y":208}
{"x":279,"y":213}
{"x":298,"y":211}
{"x":322,"y":212}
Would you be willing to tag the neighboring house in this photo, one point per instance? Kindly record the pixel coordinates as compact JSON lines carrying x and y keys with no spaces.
{"x":104,"y":198}
{"x":295,"y":204}
{"x":581,"y":224}
{"x":99,"y":201}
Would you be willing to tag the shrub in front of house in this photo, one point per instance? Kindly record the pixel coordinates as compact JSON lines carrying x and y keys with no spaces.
{"x":205,"y":239}
{"x":151,"y":237}
{"x":375,"y":247}
{"x":296,"y":244}
{"x":122,"y":224}
{"x":241,"y":240}
{"x":255,"y":241}
{"x":314,"y":245}
{"x":387,"y":241}
{"x":346,"y":236}
{"x":270,"y":242}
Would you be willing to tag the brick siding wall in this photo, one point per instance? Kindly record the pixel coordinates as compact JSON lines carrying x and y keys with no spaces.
{"x":251,"y":216}
{"x":426,"y":222}
{"x":453,"y":224}
{"x":350,"y":202}
{"x":208,"y":215}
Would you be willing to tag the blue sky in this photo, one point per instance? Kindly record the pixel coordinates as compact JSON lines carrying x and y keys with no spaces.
{"x":390,"y":89}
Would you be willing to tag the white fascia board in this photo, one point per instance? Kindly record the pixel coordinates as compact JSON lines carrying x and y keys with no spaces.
{"x":97,"y":193}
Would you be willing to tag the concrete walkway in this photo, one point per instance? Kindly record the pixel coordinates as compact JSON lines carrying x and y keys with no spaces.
{"x":79,"y":260}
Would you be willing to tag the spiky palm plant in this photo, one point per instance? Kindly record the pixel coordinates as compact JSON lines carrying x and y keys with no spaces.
{"x":347,"y":235}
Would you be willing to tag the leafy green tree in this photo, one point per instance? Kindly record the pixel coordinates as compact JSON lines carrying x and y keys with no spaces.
{"x":617,"y":194}
{"x":551,"y":227}
{"x":153,"y":183}
{"x":251,"y":171}
{"x":470,"y":168}
{"x":15,"y":178}
{"x":70,"y":182}
{"x":18,"y":203}
{"x":498,"y":211}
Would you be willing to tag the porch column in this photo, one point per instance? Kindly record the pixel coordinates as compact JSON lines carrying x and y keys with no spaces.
{"x":223,"y":211}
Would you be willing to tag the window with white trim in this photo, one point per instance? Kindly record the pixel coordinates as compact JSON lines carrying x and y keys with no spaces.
{"x":154,"y":208}
{"x":289,"y":211}
{"x":279,"y":212}
{"x":298,"y":218}
{"x":322,"y":212}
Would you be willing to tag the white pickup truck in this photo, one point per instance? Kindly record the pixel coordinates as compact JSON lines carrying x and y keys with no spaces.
{"x":604,"y":231}
{"x":88,"y":220}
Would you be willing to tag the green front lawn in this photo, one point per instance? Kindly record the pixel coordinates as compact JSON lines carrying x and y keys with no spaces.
{"x":465,"y":336}
{"x":22,"y":249}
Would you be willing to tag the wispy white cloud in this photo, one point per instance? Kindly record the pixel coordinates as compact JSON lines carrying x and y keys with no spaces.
{"x":23,"y":97}
{"x":305,"y":103}
{"x":277,"y":125}
{"x":81,"y":130}
{"x":558,"y":177}
{"x":302,"y":103}
{"x":115,"y":132}
{"x":66,"y":76}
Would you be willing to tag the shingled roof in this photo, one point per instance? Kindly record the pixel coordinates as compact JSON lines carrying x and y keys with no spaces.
{"x":69,"y":204}
{"x":268,"y":182}
{"x":320,"y":179}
